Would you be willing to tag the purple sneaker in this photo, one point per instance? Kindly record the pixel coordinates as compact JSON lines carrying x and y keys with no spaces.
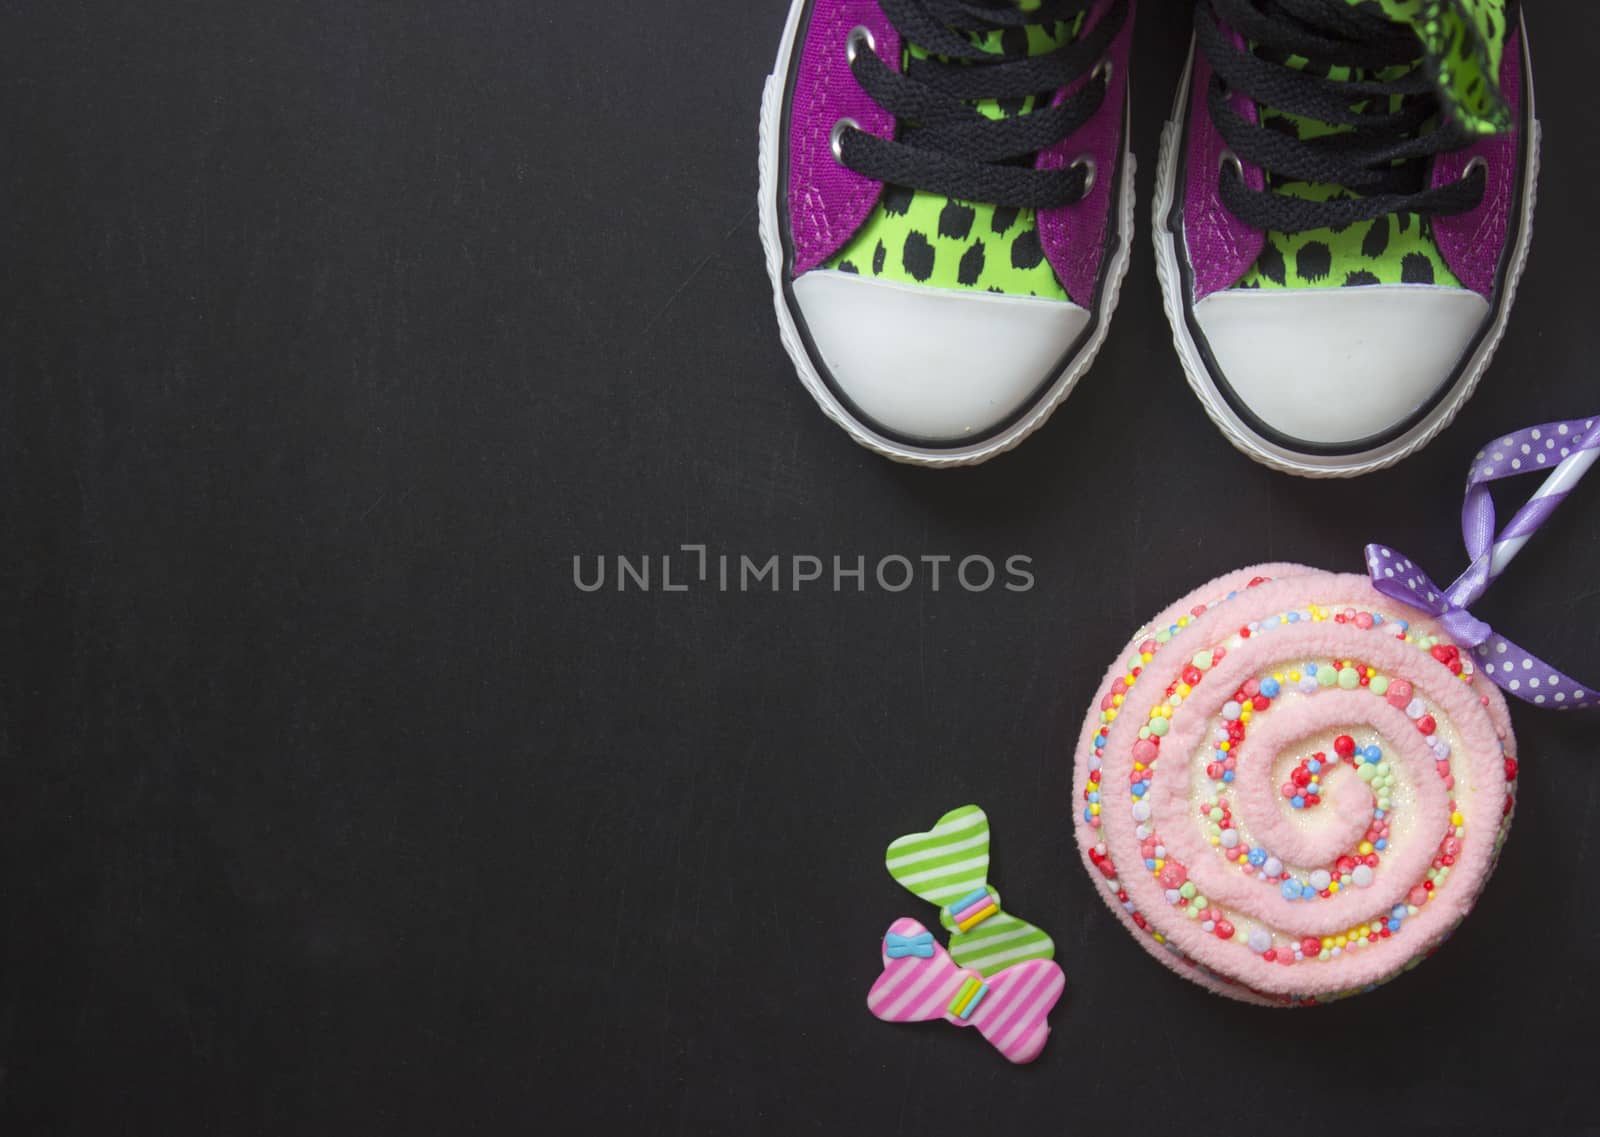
{"x":946,"y":207}
{"x":1343,"y":213}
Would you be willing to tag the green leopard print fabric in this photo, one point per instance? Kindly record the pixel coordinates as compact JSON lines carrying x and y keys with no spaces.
{"x":1464,"y":42}
{"x":1399,"y":249}
{"x":1391,"y":250}
{"x":916,"y":237}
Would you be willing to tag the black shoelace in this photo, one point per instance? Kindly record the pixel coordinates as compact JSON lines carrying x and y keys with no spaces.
{"x":943,"y":143}
{"x":1381,"y":163}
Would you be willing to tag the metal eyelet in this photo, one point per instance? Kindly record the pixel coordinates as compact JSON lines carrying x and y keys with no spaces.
{"x":860,"y":36}
{"x":1229,"y":158}
{"x":1105,"y":70}
{"x":836,"y":137}
{"x":1086,"y":163}
{"x":1478,"y":162}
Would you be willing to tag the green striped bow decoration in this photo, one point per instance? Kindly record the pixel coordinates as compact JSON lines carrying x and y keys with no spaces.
{"x":949,"y":866}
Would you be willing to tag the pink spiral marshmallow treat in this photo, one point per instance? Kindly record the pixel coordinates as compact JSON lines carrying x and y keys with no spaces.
{"x":1290,"y":788}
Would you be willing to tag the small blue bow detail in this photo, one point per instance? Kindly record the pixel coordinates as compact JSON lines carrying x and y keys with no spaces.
{"x":896,"y":946}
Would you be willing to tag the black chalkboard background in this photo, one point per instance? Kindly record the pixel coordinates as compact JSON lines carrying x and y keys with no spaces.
{"x":331,"y":332}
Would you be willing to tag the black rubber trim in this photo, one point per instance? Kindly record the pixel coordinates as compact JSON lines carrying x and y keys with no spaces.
{"x":1174,"y":225}
{"x":1114,"y":240}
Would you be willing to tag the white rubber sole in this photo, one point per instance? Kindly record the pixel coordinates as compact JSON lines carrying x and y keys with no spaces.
{"x":772,"y":101}
{"x":1237,"y":431}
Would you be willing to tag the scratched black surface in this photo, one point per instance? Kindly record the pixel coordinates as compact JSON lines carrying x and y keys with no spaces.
{"x":331,"y":332}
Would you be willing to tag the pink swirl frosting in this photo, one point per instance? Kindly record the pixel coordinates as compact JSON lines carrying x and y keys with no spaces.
{"x":1300,"y":906}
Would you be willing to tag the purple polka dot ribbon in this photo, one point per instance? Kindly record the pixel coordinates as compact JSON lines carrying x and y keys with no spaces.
{"x":1567,"y":450}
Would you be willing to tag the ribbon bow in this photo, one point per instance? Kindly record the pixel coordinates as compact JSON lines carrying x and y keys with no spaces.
{"x":949,"y":866}
{"x":898,"y":947}
{"x":1011,"y":1008}
{"x":1570,"y":449}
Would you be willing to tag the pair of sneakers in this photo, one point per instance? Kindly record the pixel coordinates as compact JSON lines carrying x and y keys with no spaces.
{"x":1342,"y":213}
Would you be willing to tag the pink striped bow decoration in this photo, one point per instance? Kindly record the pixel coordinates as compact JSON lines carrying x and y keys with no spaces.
{"x":1010,"y":1008}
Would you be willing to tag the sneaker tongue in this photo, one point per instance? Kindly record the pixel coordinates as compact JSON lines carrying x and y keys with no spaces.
{"x":1040,"y":39}
{"x":1463,"y":42}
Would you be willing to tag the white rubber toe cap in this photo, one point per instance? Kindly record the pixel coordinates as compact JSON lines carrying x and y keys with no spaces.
{"x":1336,"y":366}
{"x":935,"y":365}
